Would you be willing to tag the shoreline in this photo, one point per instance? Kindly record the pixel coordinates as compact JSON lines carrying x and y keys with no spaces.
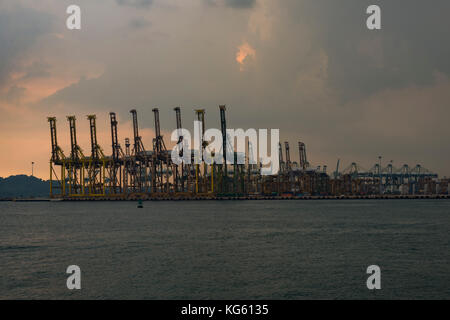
{"x":232,"y":198}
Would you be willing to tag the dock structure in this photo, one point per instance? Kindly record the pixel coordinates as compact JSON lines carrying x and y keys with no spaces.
{"x":135,"y":172}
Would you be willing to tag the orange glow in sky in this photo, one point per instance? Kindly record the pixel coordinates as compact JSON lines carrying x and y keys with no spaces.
{"x":244,"y":52}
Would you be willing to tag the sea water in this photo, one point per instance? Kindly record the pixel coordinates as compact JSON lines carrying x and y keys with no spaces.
{"x":226,"y":249}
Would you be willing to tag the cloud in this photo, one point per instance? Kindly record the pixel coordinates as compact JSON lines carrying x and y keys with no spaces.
{"x":19,"y":30}
{"x":135,"y":3}
{"x":37,"y":69}
{"x":245,"y":51}
{"x":240,"y":3}
{"x":237,"y":4}
{"x":14,"y":95}
{"x":139,"y":23}
{"x":406,"y":51}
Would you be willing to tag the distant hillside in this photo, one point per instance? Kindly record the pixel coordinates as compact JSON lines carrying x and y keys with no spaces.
{"x":22,"y":186}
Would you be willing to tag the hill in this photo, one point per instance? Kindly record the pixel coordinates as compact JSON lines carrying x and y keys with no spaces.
{"x":23,"y":186}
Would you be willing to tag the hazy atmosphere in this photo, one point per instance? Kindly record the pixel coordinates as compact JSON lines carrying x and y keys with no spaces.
{"x":310,"y":68}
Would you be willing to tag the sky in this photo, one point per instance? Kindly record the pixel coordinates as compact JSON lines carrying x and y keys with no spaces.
{"x":310,"y":68}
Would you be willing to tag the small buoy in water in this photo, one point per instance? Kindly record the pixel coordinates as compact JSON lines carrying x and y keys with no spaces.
{"x":140,"y":205}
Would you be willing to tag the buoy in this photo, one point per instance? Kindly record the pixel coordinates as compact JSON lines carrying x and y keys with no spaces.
{"x":140,"y":205}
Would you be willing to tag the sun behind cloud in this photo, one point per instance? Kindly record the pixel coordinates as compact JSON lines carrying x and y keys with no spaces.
{"x":245,"y":51}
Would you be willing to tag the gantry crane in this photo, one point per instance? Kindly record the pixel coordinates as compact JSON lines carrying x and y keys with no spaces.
{"x":118,"y":158}
{"x":224,"y":171}
{"x":302,"y":152}
{"x":58,"y":158}
{"x":96,"y":162}
{"x":199,"y":177}
{"x":288,"y":156}
{"x":76,"y":164}
{"x":179,"y":170}
{"x":161,"y":159}
{"x":137,"y":170}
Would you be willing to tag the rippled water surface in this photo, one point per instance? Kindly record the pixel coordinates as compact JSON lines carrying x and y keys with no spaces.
{"x":225,"y":249}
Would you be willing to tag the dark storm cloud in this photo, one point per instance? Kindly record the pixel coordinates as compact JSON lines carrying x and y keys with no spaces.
{"x":139,"y":23}
{"x":238,"y":4}
{"x":411,"y":46}
{"x":135,"y":3}
{"x":19,"y":29}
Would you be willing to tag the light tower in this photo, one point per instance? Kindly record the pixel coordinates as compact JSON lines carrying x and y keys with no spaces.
{"x":381,"y":177}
